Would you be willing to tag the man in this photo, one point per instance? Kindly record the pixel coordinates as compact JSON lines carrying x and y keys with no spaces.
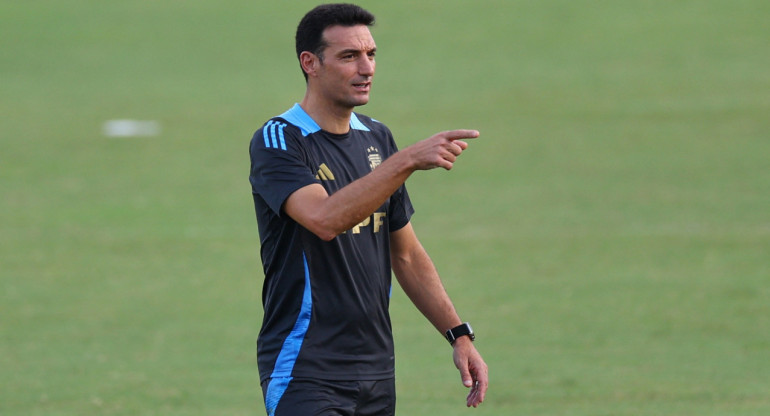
{"x":333,"y":215}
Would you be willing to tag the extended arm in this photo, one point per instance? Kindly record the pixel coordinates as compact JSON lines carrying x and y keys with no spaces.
{"x":329,"y":215}
{"x":418,"y":277}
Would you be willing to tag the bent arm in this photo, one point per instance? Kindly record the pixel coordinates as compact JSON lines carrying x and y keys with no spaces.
{"x":329,"y":215}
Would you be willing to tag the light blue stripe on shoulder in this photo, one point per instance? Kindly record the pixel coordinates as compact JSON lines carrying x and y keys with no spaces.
{"x":356,"y":124}
{"x":280,"y":136}
{"x":298,"y":117}
{"x":269,"y":132}
{"x":266,"y":132}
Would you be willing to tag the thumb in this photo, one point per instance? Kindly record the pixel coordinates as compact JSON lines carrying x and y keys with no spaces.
{"x":465,"y":375}
{"x":462,"y":362}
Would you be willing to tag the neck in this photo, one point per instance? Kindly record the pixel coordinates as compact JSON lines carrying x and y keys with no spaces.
{"x":328,"y":116}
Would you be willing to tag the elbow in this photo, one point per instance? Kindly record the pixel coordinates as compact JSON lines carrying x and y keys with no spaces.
{"x":322,"y":228}
{"x":326,"y":235}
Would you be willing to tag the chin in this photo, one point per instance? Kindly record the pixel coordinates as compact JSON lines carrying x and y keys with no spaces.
{"x":353,"y":101}
{"x":362,"y":101}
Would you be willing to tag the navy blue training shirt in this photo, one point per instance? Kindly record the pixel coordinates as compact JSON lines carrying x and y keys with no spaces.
{"x":325,"y":303}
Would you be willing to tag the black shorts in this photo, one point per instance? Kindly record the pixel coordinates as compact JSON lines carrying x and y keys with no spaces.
{"x":310,"y":397}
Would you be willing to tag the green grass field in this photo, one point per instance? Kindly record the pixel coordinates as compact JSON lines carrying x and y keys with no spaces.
{"x":608,"y":236}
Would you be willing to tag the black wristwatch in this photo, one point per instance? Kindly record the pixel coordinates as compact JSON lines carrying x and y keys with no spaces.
{"x":459,"y":331}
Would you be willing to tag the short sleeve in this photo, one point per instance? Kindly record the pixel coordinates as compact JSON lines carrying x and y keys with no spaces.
{"x":401,"y":209}
{"x":279,"y":165}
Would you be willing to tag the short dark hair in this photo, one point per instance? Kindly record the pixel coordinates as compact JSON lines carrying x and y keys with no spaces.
{"x":310,"y":30}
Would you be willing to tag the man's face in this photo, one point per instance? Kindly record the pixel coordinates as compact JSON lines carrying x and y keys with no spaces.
{"x":346,"y":72}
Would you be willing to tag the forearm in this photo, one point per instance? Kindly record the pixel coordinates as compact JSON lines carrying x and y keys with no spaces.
{"x":420,"y":280}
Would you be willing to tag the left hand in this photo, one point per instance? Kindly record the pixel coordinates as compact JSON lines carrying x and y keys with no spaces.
{"x":473,"y":370}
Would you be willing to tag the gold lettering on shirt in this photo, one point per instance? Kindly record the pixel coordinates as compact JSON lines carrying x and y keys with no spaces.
{"x":376,"y":220}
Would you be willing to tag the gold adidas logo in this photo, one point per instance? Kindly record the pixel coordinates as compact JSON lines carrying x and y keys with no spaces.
{"x":324,"y":173}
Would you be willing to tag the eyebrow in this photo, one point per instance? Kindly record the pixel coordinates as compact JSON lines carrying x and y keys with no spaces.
{"x":356,"y":51}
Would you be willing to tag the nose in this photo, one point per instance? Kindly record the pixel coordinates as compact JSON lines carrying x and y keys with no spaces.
{"x":366,"y":66}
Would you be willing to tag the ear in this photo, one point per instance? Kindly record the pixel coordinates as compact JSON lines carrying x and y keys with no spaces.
{"x":309,"y":62}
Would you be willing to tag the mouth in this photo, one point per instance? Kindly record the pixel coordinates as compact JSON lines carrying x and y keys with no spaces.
{"x":363,"y":86}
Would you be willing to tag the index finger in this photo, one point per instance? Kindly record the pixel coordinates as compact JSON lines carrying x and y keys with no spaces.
{"x":461,"y":134}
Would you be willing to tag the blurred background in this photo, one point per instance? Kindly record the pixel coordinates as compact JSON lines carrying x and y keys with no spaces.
{"x":608,"y":236}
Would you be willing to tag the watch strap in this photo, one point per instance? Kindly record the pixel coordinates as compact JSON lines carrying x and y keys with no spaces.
{"x":459,"y":331}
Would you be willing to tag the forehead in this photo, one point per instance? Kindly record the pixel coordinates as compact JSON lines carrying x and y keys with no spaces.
{"x":349,"y":37}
